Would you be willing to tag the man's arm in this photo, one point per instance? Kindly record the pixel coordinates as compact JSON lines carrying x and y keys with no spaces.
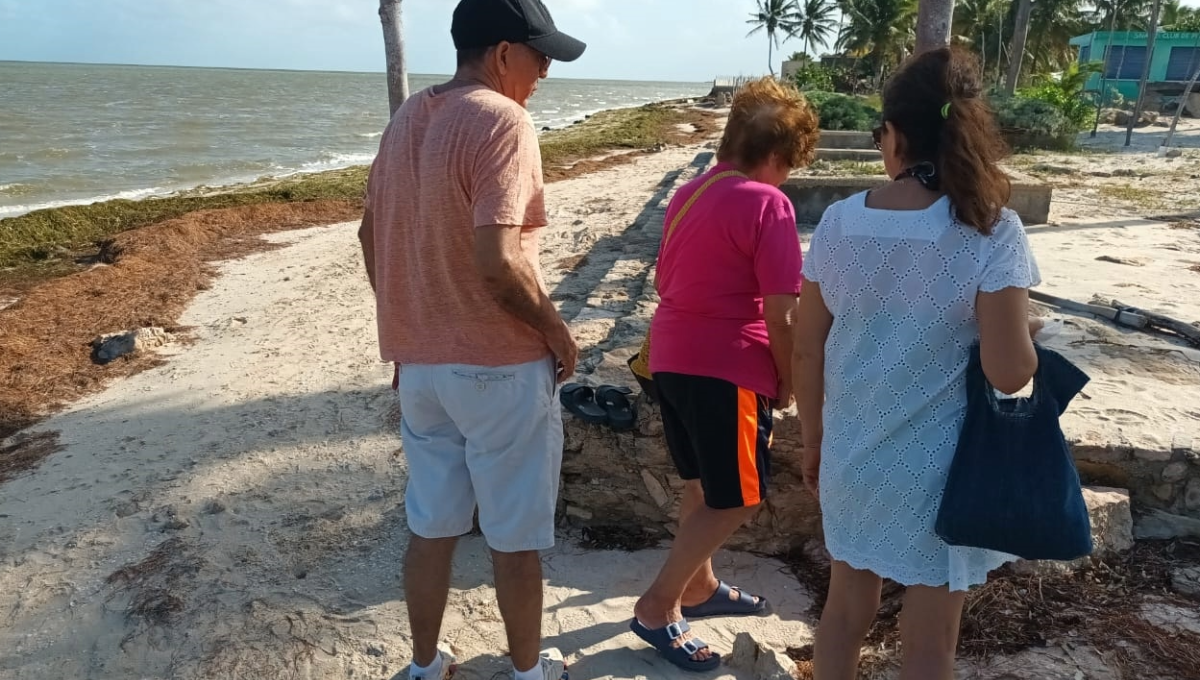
{"x":366,"y":236}
{"x":512,"y":281}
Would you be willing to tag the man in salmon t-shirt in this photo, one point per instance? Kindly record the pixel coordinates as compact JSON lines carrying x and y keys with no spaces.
{"x":454,"y":204}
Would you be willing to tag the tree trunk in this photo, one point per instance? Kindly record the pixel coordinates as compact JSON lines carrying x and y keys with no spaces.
{"x":771,"y":54}
{"x":393,"y":44}
{"x":999,"y":44}
{"x":1141,"y":100}
{"x":1016,"y":54}
{"x":1183,"y":102}
{"x":934,"y":18}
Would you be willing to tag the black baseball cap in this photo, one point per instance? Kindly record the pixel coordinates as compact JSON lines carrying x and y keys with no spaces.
{"x":484,"y":23}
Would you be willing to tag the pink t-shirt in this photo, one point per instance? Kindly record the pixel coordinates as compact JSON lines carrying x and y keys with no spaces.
{"x":737,"y":244}
{"x":449,"y":164}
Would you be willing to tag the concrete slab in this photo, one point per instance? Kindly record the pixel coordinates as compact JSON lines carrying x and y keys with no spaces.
{"x":856,"y":155}
{"x":812,"y":195}
{"x":846,"y":139}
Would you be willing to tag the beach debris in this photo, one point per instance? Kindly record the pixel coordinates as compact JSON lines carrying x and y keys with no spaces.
{"x":107,"y":348}
{"x":1051,"y":169}
{"x":1118,"y":317}
{"x":1117,"y":259}
{"x":765,"y":663}
{"x":1161,"y":322}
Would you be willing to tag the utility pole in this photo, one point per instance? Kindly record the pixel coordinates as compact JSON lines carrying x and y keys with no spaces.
{"x":1141,"y":100}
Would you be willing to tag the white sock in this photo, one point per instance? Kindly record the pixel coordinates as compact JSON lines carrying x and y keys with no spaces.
{"x":534,"y":673}
{"x":432,"y":671}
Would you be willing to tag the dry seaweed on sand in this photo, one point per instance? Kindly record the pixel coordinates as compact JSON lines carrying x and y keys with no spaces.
{"x":144,"y":277}
{"x":1100,"y":605}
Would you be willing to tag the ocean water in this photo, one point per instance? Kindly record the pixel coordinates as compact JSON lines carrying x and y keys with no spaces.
{"x":76,"y":133}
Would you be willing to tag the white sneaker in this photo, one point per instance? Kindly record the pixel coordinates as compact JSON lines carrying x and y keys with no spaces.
{"x":447,"y":668}
{"x":553,"y":665}
{"x":551,"y":662}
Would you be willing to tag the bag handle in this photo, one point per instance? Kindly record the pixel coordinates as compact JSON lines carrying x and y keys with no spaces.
{"x":695,"y":195}
{"x":688,"y":206}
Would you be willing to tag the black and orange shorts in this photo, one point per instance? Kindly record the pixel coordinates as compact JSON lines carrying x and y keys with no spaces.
{"x":720,"y":434}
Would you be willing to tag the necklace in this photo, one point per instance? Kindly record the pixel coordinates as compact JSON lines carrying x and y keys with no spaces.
{"x":924,"y":172}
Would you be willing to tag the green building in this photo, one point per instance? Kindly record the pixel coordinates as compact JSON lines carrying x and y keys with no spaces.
{"x":1175,"y":59}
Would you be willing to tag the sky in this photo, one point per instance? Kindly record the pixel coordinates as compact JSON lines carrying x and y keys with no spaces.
{"x":682,"y":40}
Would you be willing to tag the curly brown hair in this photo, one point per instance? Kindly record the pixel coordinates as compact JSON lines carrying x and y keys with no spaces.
{"x":936,"y":102}
{"x":769,"y":117}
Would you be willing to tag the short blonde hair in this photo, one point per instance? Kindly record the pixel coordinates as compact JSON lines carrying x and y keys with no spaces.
{"x":769,"y":117}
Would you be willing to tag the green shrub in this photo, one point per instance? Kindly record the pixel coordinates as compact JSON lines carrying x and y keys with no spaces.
{"x":1064,"y":92}
{"x":813,"y":77}
{"x":843,"y":112}
{"x":1034,"y":123}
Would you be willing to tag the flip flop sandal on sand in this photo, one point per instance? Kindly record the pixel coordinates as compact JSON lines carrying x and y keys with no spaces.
{"x":580,"y":401}
{"x":663,"y":639}
{"x":615,"y":402}
{"x":720,"y":604}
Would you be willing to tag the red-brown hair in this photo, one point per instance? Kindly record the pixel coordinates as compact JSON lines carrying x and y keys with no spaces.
{"x":936,"y":102}
{"x":769,"y":117}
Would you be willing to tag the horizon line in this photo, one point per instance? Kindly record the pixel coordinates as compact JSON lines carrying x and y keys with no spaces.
{"x":302,"y":70}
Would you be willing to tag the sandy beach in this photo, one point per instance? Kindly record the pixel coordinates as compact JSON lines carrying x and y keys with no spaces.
{"x":237,"y":511}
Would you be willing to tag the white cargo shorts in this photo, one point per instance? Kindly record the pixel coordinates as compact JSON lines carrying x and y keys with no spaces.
{"x":486,"y":437}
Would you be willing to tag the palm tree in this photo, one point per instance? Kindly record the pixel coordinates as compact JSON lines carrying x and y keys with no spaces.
{"x":977,"y":23}
{"x":1052,"y":24}
{"x":1178,"y":17}
{"x":882,"y":29}
{"x":776,"y":17}
{"x":1129,"y":14}
{"x":816,"y":22}
{"x":934,"y":20}
{"x":393,"y":44}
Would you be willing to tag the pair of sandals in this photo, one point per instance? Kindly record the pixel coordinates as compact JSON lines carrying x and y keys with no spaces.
{"x":720,"y":604}
{"x":604,"y":405}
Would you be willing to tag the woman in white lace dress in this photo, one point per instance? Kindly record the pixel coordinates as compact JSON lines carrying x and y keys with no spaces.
{"x":900,"y":282}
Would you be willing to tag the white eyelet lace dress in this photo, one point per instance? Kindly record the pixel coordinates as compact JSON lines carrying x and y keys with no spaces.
{"x":901,"y":286}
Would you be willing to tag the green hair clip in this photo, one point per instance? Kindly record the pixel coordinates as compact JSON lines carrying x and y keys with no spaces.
{"x":946,"y":111}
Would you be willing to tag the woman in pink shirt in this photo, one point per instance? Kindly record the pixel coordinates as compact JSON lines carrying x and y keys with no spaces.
{"x":728,"y":275}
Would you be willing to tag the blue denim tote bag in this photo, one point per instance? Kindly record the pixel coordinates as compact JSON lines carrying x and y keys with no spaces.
{"x":1013,"y":486}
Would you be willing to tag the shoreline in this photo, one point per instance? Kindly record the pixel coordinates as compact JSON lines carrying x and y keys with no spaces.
{"x":70,"y":275}
{"x":238,"y":182}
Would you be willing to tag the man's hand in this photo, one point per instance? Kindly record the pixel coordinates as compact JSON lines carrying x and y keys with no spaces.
{"x":565,"y":351}
{"x":810,"y":467}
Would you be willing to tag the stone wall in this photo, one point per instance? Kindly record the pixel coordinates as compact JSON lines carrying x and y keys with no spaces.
{"x":627,"y":480}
